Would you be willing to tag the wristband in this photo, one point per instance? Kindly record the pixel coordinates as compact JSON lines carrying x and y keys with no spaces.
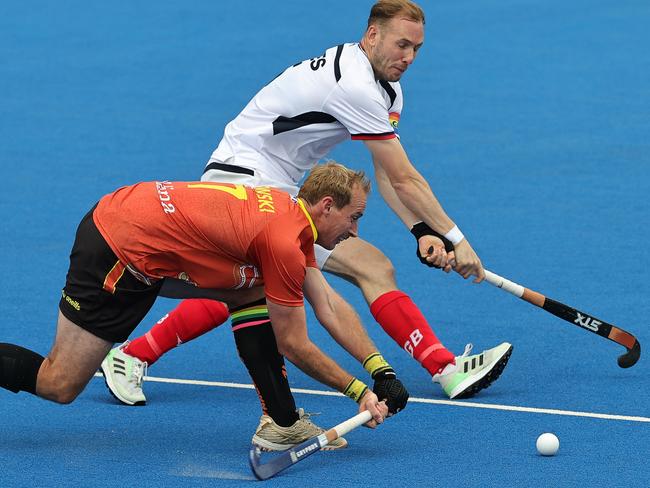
{"x":455,"y":235}
{"x":376,"y":365}
{"x":355,"y":389}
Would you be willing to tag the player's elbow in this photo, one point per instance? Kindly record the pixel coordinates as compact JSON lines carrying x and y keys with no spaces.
{"x":286,"y":347}
{"x":404,"y":182}
{"x":292,"y":348}
{"x":324,"y":311}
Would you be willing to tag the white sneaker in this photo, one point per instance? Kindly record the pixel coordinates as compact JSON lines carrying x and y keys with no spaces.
{"x":270,"y":436}
{"x":123,"y":375}
{"x":472,"y":374}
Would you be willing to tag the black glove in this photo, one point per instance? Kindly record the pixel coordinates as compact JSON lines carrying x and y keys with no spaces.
{"x":388,"y":387}
{"x":421,"y":229}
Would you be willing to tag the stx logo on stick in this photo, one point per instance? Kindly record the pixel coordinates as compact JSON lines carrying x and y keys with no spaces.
{"x":587,"y":322}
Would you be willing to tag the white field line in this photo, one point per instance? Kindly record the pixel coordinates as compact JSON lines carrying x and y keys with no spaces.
{"x":491,"y":406}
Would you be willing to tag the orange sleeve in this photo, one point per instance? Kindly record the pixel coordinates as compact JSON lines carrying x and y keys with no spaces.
{"x":282,"y":263}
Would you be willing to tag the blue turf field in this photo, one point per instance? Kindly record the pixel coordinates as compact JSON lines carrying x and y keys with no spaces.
{"x":531,"y":121}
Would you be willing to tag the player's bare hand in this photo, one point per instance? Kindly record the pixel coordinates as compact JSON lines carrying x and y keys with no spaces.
{"x":377,"y":409}
{"x":466,"y":263}
{"x":431,"y":251}
{"x":451,"y":261}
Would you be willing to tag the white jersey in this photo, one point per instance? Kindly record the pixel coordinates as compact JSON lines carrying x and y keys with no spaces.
{"x":297,"y":118}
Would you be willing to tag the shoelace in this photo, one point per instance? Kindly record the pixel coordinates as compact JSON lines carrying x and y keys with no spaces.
{"x":139,"y":372}
{"x":468,"y":349}
{"x":306,"y":415}
{"x":305,"y":418}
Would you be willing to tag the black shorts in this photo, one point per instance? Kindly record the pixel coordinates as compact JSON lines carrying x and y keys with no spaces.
{"x":100,"y":294}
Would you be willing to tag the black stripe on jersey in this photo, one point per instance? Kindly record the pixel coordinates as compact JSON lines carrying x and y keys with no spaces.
{"x":285,"y":124}
{"x":337,"y":63}
{"x":381,"y":135}
{"x":229,"y":168}
{"x":389,"y":89}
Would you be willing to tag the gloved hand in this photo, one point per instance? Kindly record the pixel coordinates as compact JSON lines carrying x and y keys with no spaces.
{"x":388,"y":387}
{"x":421,"y":229}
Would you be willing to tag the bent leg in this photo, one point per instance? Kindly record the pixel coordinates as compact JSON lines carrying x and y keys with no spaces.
{"x":64,"y":373}
{"x":362,"y":264}
{"x":72,"y":362}
{"x":191,"y":319}
{"x":258,"y":351}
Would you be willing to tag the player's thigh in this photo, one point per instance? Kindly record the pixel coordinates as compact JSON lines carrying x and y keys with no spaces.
{"x":357,"y":260}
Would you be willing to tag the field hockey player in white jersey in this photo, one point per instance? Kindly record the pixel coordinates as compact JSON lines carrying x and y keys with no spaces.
{"x":350,"y":91}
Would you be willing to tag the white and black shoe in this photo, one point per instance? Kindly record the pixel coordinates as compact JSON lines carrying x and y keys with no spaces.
{"x":472,"y":374}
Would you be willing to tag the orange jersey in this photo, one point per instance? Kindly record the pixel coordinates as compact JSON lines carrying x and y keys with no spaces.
{"x":214,"y":235}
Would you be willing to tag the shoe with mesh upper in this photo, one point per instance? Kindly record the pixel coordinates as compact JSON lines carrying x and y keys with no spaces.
{"x":472,"y":374}
{"x":270,"y":436}
{"x":123,"y":375}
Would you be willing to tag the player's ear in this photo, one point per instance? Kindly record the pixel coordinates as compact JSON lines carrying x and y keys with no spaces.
{"x":328,"y":204}
{"x":371,"y":34}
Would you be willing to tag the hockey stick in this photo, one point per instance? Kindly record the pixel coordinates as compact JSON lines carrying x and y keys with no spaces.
{"x":576,"y":317}
{"x":264,"y":471}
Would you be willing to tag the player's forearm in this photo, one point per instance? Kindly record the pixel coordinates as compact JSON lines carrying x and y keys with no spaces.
{"x":414,"y":193}
{"x":411,"y":198}
{"x":344,"y":325}
{"x":312,"y":361}
{"x":337,"y":316}
{"x":409,"y":195}
{"x":390,"y":197}
{"x":290,"y":329}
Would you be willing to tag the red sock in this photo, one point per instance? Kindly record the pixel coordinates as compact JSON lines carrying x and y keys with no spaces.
{"x":192,"y":318}
{"x":403,"y":321}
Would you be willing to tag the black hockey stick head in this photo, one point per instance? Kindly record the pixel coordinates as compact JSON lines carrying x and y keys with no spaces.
{"x":632,"y":355}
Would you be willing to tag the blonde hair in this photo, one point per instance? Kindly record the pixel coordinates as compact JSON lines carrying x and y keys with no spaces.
{"x":334,"y":180}
{"x":384,"y":10}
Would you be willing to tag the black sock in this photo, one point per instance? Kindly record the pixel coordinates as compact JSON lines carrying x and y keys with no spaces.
{"x":259,"y":352}
{"x":19,"y":368}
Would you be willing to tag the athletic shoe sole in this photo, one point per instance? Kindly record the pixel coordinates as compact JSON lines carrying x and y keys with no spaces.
{"x":491,"y":375}
{"x":110,"y":386}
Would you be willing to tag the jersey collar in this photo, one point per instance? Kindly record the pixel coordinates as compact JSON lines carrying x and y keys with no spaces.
{"x":363,"y":55}
{"x":311,"y":222}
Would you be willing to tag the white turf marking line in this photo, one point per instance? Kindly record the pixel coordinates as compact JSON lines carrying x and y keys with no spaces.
{"x":490,"y":406}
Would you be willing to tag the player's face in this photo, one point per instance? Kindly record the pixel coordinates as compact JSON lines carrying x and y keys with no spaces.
{"x":397,"y":44}
{"x":341,"y":223}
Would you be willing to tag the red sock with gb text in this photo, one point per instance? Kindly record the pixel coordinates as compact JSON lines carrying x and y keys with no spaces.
{"x":192,"y":318}
{"x":403,"y":321}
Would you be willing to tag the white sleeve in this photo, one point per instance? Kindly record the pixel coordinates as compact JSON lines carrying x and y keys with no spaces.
{"x":395,"y":111}
{"x":362,"y":110}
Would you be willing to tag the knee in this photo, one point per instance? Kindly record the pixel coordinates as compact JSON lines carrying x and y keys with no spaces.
{"x":64,"y":397}
{"x":385,"y":269}
{"x":57,"y":387}
{"x":375,"y":267}
{"x":62,"y":393}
